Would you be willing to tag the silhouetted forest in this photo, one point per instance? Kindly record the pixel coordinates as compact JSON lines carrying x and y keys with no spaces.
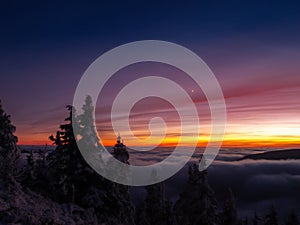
{"x":59,"y":187}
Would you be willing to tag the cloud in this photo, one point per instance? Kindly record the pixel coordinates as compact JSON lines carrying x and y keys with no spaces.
{"x":256,"y":184}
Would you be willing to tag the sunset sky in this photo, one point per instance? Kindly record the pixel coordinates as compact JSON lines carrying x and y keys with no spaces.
{"x":252,"y":47}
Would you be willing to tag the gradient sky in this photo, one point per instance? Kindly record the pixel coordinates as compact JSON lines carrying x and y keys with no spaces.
{"x":252,"y":47}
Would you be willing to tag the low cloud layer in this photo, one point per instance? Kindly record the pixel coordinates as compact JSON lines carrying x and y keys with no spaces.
{"x":256,"y":184}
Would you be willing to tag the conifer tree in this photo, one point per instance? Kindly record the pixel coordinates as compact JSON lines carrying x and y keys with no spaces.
{"x":197,"y":204}
{"x":87,"y":128}
{"x":271,"y":217}
{"x":75,"y":181}
{"x":35,"y":173}
{"x":86,"y":133}
{"x":66,"y":162}
{"x":29,"y":173}
{"x":256,"y":218}
{"x":9,"y":151}
{"x":229,"y":214}
{"x":292,"y":219}
{"x":245,"y":221}
{"x":156,"y":209}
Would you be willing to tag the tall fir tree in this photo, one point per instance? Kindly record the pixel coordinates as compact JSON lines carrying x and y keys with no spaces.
{"x":87,"y":129}
{"x":87,"y":136}
{"x":156,"y":209}
{"x":68,"y":165}
{"x":229,"y":214}
{"x":75,"y":181}
{"x":271,"y":217}
{"x":197,"y":205}
{"x":245,"y":221}
{"x":9,"y":151}
{"x":256,"y":218}
{"x":292,"y":219}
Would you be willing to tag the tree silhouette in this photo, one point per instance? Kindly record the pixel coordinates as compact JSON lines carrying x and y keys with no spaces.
{"x":229,"y":214}
{"x":256,"y":218}
{"x":156,"y":209}
{"x":292,"y":219}
{"x":75,"y":181}
{"x":68,"y":165}
{"x":245,"y":221}
{"x":197,"y":204}
{"x":9,"y":151}
{"x":271,"y":217}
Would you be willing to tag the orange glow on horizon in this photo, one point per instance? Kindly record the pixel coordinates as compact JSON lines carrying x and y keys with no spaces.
{"x":229,"y":141}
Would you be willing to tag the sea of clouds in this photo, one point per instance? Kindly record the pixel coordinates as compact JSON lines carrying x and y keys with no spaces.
{"x":256,"y":184}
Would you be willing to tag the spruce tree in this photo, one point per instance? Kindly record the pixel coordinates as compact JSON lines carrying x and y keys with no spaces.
{"x":75,"y":181}
{"x":9,"y":151}
{"x":256,"y":219}
{"x":35,"y":173}
{"x":229,"y":214}
{"x":29,"y":170}
{"x":271,"y":217}
{"x":292,"y":219}
{"x":87,"y":129}
{"x":66,"y":162}
{"x":197,"y":204}
{"x":245,"y":221}
{"x":156,"y":209}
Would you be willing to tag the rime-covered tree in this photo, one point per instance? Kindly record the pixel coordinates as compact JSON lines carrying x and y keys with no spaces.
{"x":9,"y":151}
{"x":65,"y":161}
{"x":86,"y":134}
{"x":87,"y":128}
{"x":197,"y":204}
{"x":75,"y":181}
{"x":271,"y":217}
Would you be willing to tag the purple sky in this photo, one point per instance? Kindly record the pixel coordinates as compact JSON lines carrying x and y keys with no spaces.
{"x":253,"y":50}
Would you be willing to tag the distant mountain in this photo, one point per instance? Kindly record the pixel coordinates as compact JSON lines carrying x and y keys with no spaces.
{"x":275,"y":155}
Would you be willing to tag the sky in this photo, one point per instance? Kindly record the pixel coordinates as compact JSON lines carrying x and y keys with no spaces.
{"x":252,"y":47}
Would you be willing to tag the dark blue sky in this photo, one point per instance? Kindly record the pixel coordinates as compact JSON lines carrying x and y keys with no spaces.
{"x":47,"y":45}
{"x":32,"y":23}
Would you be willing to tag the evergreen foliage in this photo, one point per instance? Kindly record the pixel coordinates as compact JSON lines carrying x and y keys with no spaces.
{"x":292,"y":219}
{"x":9,"y":151}
{"x":271,"y":217}
{"x":197,"y":205}
{"x":229,"y":214}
